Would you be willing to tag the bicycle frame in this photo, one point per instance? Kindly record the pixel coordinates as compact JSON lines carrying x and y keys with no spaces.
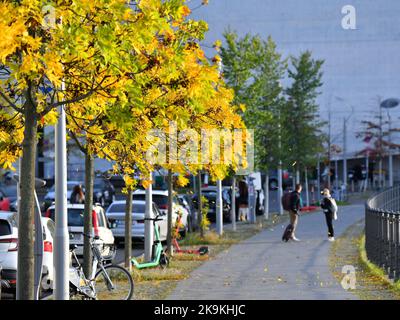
{"x":88,"y":288}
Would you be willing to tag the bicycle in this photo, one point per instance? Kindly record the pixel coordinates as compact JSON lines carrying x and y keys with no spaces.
{"x":107,"y":281}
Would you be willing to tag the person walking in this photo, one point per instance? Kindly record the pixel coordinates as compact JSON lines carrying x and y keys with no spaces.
{"x":77,"y":195}
{"x":328,"y":205}
{"x":243,"y":201}
{"x":294,"y":205}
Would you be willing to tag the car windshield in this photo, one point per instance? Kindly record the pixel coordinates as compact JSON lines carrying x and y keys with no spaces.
{"x":120,"y":207}
{"x":75,"y":217}
{"x":209,"y":194}
{"x":159,"y":199}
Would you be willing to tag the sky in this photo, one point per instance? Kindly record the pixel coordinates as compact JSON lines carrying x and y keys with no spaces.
{"x":361,"y":66}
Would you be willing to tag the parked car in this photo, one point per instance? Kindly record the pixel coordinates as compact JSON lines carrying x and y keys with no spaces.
{"x":116,"y":215}
{"x":103,"y":191}
{"x":160,"y":197}
{"x":4,"y":202}
{"x":210,"y":193}
{"x":9,"y":251}
{"x":50,"y":196}
{"x":186,"y":201}
{"x":9,"y":191}
{"x":101,"y":227}
{"x":117,"y":181}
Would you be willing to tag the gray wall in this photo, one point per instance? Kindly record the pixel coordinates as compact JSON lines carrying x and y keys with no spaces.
{"x":359,"y":65}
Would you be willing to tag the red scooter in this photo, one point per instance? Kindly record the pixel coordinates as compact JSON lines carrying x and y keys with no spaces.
{"x":200,"y":251}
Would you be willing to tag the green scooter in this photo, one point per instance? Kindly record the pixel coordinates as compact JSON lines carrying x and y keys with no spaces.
{"x":159,"y":256}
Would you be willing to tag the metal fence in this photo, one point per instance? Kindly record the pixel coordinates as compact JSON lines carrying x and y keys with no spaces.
{"x":382,"y":231}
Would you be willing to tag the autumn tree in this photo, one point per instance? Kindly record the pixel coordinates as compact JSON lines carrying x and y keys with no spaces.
{"x":86,"y":57}
{"x":302,"y":126}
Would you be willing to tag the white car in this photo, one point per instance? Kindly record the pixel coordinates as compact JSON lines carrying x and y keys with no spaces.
{"x":116,"y":215}
{"x":9,"y":252}
{"x":160,"y":197}
{"x":75,"y":227}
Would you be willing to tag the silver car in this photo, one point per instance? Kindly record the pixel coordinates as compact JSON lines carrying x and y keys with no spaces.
{"x":116,"y":215}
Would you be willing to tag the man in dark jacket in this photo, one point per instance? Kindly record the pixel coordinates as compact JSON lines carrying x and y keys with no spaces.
{"x":294,"y":209}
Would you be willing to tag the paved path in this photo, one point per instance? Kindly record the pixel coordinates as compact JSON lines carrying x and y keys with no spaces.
{"x":263,"y":267}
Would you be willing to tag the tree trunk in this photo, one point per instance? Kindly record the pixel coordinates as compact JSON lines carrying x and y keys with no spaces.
{"x":266,"y":196}
{"x":169,"y":217}
{"x":25,"y":271}
{"x":200,"y":206}
{"x":128,"y":230}
{"x":87,"y":226}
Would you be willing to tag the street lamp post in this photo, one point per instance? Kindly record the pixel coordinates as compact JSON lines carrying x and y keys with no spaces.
{"x":389,"y":104}
{"x":61,"y":262}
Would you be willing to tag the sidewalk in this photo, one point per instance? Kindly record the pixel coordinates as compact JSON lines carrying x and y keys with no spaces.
{"x":263,"y":267}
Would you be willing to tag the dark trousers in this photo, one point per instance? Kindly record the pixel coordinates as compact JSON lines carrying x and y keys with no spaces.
{"x":329,"y":219}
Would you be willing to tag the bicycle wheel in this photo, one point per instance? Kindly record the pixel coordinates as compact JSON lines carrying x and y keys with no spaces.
{"x":121,"y":286}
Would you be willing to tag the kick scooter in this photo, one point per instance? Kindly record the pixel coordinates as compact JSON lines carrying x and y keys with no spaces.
{"x":160,"y":258}
{"x":200,"y":251}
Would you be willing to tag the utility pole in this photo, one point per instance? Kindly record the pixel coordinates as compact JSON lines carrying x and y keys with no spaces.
{"x":148,"y":224}
{"x":389,"y":104}
{"x":233,"y":203}
{"x":306,"y":183}
{"x":200,"y":205}
{"x":319,"y":178}
{"x":329,"y":148}
{"x":336,"y":173}
{"x":219,"y":204}
{"x":280,"y":184}
{"x":266,"y":196}
{"x":344,"y":152}
{"x":390,"y":151}
{"x":170,"y":209}
{"x":61,"y":241}
{"x":219,"y":215}
{"x":380,"y":147}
